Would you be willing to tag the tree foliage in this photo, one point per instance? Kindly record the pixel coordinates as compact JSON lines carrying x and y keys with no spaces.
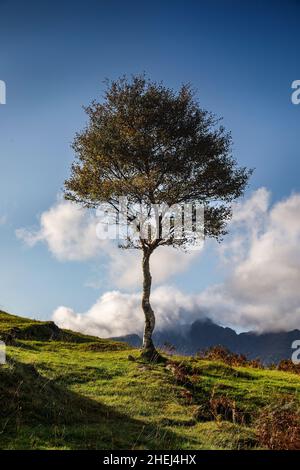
{"x":155,"y":146}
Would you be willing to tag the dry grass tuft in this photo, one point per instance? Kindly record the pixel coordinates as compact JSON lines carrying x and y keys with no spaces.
{"x":278,"y":425}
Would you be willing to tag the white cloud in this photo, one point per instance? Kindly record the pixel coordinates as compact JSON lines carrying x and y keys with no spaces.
{"x":3,"y":219}
{"x":261,"y":254}
{"x":116,"y":313}
{"x":69,"y":232}
{"x":261,"y":289}
{"x":249,"y":219}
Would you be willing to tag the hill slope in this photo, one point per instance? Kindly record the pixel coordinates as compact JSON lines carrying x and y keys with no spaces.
{"x":70,"y":391}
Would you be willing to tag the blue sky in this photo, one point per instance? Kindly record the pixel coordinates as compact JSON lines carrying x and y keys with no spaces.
{"x":240,"y":56}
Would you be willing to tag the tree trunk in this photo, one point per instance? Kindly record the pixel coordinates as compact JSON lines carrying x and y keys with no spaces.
{"x":148,"y":352}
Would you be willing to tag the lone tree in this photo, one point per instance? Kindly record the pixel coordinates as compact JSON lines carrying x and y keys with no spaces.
{"x":157,"y":148}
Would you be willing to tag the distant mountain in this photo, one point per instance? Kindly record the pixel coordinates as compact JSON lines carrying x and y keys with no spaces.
{"x":132,"y":340}
{"x":269,"y":347}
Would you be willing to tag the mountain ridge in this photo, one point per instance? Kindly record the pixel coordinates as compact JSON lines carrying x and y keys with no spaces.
{"x":202,"y":334}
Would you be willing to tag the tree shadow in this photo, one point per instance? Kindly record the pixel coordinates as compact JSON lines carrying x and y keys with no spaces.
{"x":38,"y":413}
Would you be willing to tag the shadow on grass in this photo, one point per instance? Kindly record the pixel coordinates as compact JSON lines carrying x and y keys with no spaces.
{"x":37,"y":413}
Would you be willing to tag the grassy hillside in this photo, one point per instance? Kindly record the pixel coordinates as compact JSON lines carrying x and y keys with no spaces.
{"x":62,"y":390}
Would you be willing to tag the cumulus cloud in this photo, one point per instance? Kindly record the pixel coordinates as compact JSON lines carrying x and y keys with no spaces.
{"x":248,"y":220}
{"x":260,"y":290}
{"x":116,"y":313}
{"x":69,"y":232}
{"x":261,"y":258}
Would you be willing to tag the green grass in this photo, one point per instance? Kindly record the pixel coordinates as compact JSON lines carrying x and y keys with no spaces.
{"x":81,"y":392}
